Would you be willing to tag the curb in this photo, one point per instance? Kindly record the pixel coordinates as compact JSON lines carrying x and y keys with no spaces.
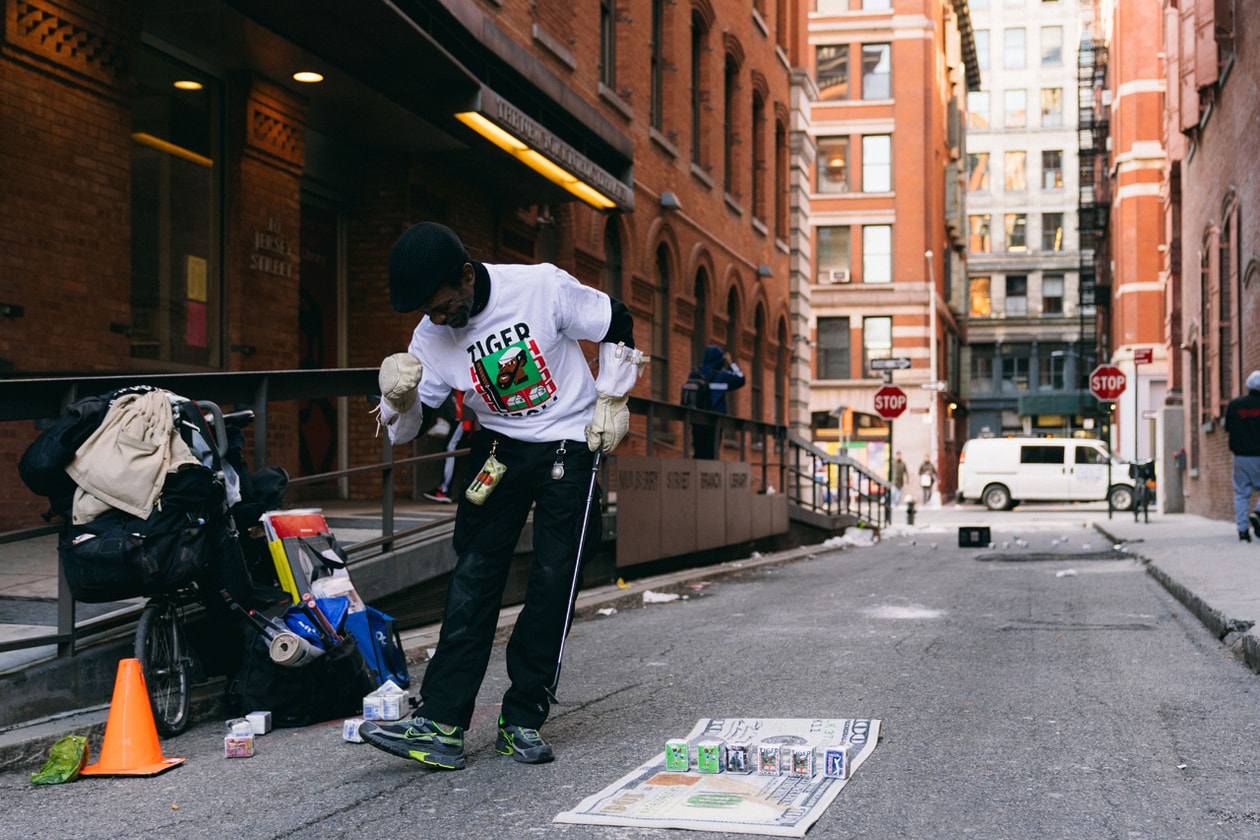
{"x":1234,"y":633}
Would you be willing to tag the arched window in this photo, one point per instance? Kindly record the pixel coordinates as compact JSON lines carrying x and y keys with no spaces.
{"x":660,"y":327}
{"x":608,"y":43}
{"x":758,"y":156}
{"x":780,"y":179}
{"x":732,"y":340}
{"x":758,"y":365}
{"x":699,"y":46}
{"x":657,"y":69}
{"x":612,"y":259}
{"x":730,"y":133}
{"x":700,"y":329}
{"x":781,"y":361}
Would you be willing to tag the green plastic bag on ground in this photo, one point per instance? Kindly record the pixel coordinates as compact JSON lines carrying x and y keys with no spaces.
{"x":66,"y":758}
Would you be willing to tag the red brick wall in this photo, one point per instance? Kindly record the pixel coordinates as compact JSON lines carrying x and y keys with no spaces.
{"x":65,"y":238}
{"x":1208,"y":176}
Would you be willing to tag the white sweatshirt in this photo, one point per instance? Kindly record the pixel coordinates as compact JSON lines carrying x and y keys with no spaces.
{"x":517,"y":361}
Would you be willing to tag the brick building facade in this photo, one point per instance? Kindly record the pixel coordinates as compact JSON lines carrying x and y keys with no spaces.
{"x":243,"y":221}
{"x":1211,"y":193}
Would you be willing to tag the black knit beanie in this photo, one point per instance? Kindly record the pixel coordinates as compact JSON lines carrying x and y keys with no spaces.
{"x":426,"y":257}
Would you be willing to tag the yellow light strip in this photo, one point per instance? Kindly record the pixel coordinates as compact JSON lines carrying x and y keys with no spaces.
{"x":520,"y":150}
{"x":172,"y":149}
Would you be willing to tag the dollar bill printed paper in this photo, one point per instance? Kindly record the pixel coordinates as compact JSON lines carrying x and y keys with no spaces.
{"x":779,"y":806}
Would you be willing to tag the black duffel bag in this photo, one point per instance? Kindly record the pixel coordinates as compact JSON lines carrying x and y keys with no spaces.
{"x":118,"y":556}
{"x":332,"y":685}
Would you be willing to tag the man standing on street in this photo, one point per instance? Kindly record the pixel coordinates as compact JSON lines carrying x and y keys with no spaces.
{"x":899,"y":473}
{"x":927,"y":478}
{"x":1242,"y":421}
{"x":506,"y":336}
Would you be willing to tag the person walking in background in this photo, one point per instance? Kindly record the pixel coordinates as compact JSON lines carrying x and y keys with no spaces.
{"x":1242,"y":421}
{"x":507,"y":337}
{"x":899,"y":473}
{"x":721,"y":373}
{"x":927,"y":478}
{"x":460,"y":427}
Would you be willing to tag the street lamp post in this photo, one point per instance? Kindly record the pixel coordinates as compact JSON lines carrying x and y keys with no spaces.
{"x":934,"y":394}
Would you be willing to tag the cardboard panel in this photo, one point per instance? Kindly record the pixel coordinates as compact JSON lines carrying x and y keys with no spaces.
{"x":678,"y":506}
{"x":710,"y":505}
{"x":638,"y":509}
{"x":738,"y":502}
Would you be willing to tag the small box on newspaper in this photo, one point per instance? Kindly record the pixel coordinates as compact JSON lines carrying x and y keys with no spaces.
{"x":802,"y":762}
{"x":350,"y":730}
{"x":677,"y":756}
{"x":739,"y":758}
{"x":836,"y":762}
{"x":238,"y":746}
{"x":260,"y":722}
{"x":768,"y":759}
{"x":710,"y":756}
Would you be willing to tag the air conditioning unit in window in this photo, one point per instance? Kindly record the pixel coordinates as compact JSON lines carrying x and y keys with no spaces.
{"x":833,"y":275}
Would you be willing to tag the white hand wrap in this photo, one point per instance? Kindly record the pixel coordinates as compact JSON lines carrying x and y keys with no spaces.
{"x":619,"y":367}
{"x":398,"y":378}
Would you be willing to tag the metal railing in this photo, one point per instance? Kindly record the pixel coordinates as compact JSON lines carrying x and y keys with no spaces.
{"x":837,"y":485}
{"x":781,"y":463}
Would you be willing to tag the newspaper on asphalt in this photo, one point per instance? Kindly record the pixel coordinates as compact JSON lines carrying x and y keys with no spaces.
{"x":783,"y":805}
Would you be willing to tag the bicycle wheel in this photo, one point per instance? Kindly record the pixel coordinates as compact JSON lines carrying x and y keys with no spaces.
{"x":163,"y":652}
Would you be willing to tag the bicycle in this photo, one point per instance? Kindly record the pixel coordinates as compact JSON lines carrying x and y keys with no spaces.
{"x":166,"y":659}
{"x":1143,"y":475}
{"x":162,"y":645}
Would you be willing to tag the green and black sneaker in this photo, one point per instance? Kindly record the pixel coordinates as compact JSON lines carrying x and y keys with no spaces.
{"x":524,"y":745}
{"x":429,"y":743}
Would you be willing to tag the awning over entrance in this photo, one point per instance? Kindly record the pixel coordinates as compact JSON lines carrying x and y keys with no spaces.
{"x":433,"y":61}
{"x":1067,"y":403}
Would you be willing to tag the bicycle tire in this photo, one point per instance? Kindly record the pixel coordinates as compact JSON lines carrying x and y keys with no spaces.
{"x":162,"y":649}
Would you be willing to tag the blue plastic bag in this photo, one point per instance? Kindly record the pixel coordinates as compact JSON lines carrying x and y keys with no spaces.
{"x":378,"y":640}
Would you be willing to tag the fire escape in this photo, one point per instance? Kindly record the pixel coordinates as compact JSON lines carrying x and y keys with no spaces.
{"x":1093,"y":101}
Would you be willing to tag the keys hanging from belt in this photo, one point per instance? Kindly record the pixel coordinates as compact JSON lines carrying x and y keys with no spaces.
{"x":557,"y":469}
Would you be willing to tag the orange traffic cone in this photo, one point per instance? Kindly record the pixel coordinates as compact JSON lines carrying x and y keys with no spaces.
{"x":131,"y":745}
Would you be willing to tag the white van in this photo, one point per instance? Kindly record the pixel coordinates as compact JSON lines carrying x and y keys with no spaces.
{"x":1002,"y":472}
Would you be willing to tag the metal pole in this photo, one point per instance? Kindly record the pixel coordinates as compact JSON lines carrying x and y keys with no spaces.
{"x":934,"y":395}
{"x":1110,"y":457}
{"x":577,"y":571}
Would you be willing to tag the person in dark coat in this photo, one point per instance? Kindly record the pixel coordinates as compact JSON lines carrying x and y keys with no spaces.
{"x":723,"y":376}
{"x":1242,"y":421}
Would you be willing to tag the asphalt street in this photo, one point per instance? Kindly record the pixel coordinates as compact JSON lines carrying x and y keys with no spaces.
{"x":1050,"y":690}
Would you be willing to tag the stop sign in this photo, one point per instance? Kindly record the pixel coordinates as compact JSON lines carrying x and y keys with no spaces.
{"x":1107,"y":382}
{"x":890,"y":401}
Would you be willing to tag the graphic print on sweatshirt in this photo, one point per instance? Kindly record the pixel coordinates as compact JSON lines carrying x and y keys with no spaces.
{"x":514,"y":380}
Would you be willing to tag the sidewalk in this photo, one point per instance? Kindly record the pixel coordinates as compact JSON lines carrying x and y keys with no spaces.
{"x":1204,"y":565}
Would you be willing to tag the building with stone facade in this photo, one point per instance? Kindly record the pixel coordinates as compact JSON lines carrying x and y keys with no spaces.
{"x":882,"y":107}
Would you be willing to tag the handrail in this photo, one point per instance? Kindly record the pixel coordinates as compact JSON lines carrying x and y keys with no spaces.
{"x":664,"y":428}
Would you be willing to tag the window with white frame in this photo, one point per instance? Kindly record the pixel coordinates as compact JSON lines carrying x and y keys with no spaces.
{"x":877,"y":254}
{"x":1014,"y":48}
{"x":877,"y":163}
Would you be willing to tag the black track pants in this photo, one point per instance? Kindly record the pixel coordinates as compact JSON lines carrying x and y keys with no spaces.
{"x":485,"y":538}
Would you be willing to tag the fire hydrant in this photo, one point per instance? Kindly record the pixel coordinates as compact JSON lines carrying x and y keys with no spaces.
{"x":909,"y":511}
